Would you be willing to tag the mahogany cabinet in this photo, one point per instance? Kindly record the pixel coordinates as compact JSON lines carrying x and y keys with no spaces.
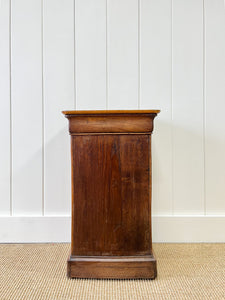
{"x":111,"y":194}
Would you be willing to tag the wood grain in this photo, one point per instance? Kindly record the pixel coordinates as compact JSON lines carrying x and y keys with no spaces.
{"x":111,"y":195}
{"x":108,"y":112}
{"x":111,"y":192}
{"x":130,"y":121}
{"x":120,"y":267}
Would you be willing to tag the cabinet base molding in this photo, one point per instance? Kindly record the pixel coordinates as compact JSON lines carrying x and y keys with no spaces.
{"x":113,"y":267}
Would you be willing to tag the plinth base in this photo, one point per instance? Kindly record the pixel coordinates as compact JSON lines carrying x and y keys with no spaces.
{"x":113,"y":267}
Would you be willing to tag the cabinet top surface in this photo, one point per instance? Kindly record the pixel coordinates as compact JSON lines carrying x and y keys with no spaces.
{"x":103,"y":112}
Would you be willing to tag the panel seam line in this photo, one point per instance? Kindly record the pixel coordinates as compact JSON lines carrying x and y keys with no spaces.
{"x":10,"y":108}
{"x":106,"y":55}
{"x":172,"y":121}
{"x":139,"y":55}
{"x":43,"y":115}
{"x":204,"y":112}
{"x":74,"y":54}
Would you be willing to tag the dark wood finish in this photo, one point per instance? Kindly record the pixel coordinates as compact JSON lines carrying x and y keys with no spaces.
{"x":121,"y":267}
{"x":110,"y":124}
{"x":109,"y":112}
{"x":111,"y":194}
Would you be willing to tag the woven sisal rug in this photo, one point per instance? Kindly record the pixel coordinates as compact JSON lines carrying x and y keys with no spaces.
{"x":185,"y":271}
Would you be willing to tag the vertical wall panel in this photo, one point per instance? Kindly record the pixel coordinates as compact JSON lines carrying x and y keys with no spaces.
{"x":127,"y":54}
{"x":215,"y":106}
{"x":90,"y":51}
{"x":58,"y":79}
{"x":155,"y":85}
{"x":5,"y":107}
{"x":26,"y":107}
{"x":187,"y":100}
{"x":122,"y":54}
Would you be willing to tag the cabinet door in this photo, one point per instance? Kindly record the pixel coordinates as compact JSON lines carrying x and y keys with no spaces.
{"x":111,"y":194}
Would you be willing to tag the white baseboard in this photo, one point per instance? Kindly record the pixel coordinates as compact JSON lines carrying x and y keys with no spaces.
{"x":188,"y":229}
{"x":168,"y":229}
{"x":34,"y":229}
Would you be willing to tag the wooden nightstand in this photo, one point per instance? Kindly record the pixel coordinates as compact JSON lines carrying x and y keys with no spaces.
{"x":111,"y":194}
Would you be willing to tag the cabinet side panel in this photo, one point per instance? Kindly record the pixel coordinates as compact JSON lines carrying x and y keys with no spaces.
{"x":88,"y":196}
{"x":134,"y":156}
{"x":111,"y":195}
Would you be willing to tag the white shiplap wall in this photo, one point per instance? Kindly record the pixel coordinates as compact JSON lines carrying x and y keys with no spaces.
{"x":112,"y":54}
